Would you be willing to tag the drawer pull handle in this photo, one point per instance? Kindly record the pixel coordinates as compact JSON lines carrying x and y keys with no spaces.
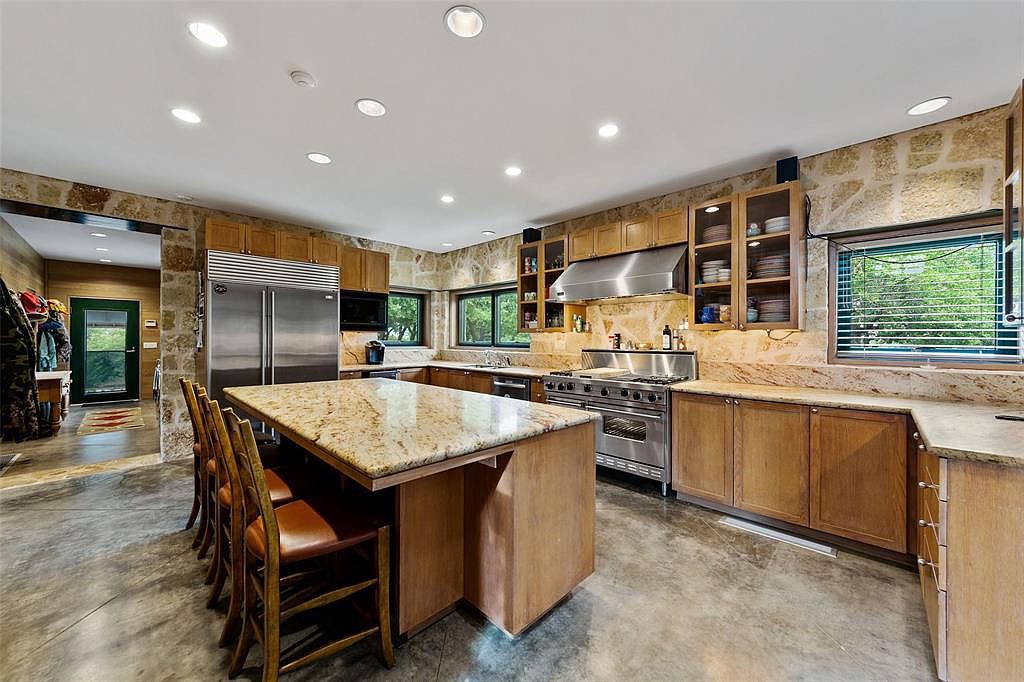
{"x":921,"y":446}
{"x":917,"y":436}
{"x":922,"y":484}
{"x":922,"y":562}
{"x":926,"y":524}
{"x":814,"y":410}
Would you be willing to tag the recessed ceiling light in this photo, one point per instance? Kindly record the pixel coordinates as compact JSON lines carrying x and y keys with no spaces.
{"x":928,"y":106}
{"x":104,"y":260}
{"x":513,"y":171}
{"x":304,"y":79}
{"x":487,"y":233}
{"x":100,"y":248}
{"x":186,"y":115}
{"x":185,"y":197}
{"x":608,"y":130}
{"x":447,"y":244}
{"x":207,"y":34}
{"x":97,"y":234}
{"x":464,"y":21}
{"x":371,"y":107}
{"x":317,"y":157}
{"x":447,"y":198}
{"x":711,"y":209}
{"x":753,"y":244}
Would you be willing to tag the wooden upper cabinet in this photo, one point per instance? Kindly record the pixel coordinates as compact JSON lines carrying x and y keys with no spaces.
{"x":351,"y":263}
{"x":224,"y":235}
{"x":608,"y":239}
{"x":702,"y":447}
{"x":261,"y":241}
{"x":771,"y":459}
{"x":859,"y":476}
{"x":670,"y":227}
{"x":637,"y":234}
{"x":376,"y":266}
{"x":294,"y":246}
{"x":581,"y":244}
{"x":326,"y":251}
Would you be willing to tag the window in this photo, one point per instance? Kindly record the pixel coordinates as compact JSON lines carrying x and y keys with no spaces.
{"x":935,"y":299}
{"x":406,"y":319}
{"x":490,"y":318}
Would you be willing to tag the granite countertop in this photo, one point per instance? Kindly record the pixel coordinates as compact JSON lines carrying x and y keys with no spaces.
{"x":957,"y":430}
{"x":380,"y":426}
{"x":514,"y":371}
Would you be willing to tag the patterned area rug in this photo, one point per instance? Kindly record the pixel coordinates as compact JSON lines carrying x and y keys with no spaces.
{"x":111,"y":420}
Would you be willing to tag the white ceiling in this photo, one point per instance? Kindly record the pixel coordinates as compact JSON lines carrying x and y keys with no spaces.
{"x":700,"y":90}
{"x":59,"y":240}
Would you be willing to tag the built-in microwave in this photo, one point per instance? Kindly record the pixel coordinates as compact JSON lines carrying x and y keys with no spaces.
{"x":363,"y":312}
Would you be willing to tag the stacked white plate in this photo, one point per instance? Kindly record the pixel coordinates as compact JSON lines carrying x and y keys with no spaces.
{"x":709,"y":270}
{"x":771,"y":266}
{"x":773,"y":225}
{"x":773,"y":309}
{"x":716,"y":233}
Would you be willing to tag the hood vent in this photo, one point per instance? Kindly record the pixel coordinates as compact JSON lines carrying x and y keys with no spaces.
{"x":655,"y":272}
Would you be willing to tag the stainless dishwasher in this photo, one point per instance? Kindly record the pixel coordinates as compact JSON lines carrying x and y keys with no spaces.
{"x":511,"y":387}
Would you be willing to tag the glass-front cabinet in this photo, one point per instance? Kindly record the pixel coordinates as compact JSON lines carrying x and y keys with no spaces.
{"x":540,"y":264}
{"x":712,"y":271}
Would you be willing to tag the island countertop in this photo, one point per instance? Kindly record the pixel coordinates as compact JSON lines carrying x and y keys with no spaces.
{"x":381,"y":427}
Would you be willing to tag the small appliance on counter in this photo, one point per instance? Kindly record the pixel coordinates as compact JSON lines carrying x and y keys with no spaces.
{"x":375,"y":353}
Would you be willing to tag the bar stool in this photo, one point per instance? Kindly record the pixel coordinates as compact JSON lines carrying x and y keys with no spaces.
{"x":284,"y":484}
{"x":280,"y":543}
{"x":186,"y":390}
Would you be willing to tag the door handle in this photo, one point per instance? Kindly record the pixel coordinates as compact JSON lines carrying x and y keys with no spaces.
{"x":129,"y":350}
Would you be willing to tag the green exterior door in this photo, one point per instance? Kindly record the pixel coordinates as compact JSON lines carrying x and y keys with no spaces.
{"x":104,"y":350}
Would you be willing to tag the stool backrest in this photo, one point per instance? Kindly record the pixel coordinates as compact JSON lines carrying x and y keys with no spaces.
{"x":188,"y":390}
{"x":256,"y":495}
{"x":220,"y":442}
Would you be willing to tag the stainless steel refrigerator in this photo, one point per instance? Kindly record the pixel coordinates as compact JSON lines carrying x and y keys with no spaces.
{"x":269,"y":321}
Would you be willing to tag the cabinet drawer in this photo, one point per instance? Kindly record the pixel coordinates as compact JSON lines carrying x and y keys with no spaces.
{"x":932,"y":555}
{"x":935,"y":610}
{"x":932,"y":514}
{"x":932,"y":475}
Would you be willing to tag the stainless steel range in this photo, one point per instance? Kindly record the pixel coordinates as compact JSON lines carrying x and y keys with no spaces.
{"x":629,"y":389}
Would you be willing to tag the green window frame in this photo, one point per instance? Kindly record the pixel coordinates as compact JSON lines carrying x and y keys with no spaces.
{"x":406,"y":319}
{"x":489,"y":319}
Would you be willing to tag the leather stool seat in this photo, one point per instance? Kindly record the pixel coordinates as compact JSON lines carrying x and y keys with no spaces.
{"x":313,"y":527}
{"x":282,"y":484}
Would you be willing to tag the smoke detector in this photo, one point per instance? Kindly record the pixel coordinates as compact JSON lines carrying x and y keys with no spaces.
{"x":303,"y":79}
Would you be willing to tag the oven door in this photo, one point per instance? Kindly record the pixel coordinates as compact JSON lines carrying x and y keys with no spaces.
{"x":631,"y":433}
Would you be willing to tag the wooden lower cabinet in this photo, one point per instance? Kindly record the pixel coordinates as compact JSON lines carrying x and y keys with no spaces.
{"x":770,"y":456}
{"x":464,"y":380}
{"x":859,"y":476}
{"x":419,"y":375}
{"x":537,"y":392}
{"x":702,"y":448}
{"x":350,"y":374}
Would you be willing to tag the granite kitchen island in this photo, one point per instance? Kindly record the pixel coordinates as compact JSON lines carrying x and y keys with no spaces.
{"x":493,"y":497}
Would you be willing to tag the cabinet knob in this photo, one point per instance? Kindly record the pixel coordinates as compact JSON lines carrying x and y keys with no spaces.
{"x":742,"y":327}
{"x":926,"y":524}
{"x":922,"y":562}
{"x":916,"y":436}
{"x":728,"y":402}
{"x":814,"y":410}
{"x":921,"y":446}
{"x":923,"y":484}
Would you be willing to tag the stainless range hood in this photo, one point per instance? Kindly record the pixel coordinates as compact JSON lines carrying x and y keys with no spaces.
{"x":655,"y":272}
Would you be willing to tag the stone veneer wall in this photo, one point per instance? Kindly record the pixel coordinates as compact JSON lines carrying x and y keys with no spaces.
{"x":935,"y":171}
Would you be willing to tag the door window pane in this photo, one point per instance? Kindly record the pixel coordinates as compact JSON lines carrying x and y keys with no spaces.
{"x":475,"y":320}
{"x":105,"y":336}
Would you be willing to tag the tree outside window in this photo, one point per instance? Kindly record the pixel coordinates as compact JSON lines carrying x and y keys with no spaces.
{"x":490,"y":319}
{"x":406,"y":314}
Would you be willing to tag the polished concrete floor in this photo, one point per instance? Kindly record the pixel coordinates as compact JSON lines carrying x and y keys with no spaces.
{"x":61,"y":455}
{"x":99,"y":584}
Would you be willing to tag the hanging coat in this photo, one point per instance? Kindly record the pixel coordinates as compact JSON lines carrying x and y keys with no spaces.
{"x":19,"y":398}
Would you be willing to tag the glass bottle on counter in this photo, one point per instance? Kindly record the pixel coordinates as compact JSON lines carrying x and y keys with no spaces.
{"x":666,"y":338}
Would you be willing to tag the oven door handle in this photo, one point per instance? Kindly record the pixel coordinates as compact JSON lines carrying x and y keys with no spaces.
{"x":642,"y":415}
{"x":577,"y":405}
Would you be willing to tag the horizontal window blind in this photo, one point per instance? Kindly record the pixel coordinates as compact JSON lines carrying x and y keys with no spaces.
{"x":937,"y":299}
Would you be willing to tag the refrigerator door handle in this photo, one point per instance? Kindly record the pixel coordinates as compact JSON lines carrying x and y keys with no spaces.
{"x":263,"y":336}
{"x":270,"y":354}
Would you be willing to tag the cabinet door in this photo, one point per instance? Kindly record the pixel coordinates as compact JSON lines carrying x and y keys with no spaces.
{"x":416,"y":375}
{"x":771,"y":459}
{"x":608,"y":239}
{"x":636,"y":234}
{"x":458,"y":379}
{"x":438,"y":376}
{"x":375,"y":271}
{"x":859,"y":476}
{"x":292,"y":246}
{"x":224,"y":235}
{"x":702,"y":448}
{"x":480,"y":382}
{"x":670,"y":227}
{"x":326,"y":251}
{"x":351,"y":263}
{"x":352,"y":374}
{"x":261,"y":241}
{"x":537,"y":392}
{"x":581,"y":244}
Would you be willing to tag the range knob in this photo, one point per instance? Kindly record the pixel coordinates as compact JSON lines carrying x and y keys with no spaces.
{"x":636,"y":395}
{"x":570,"y":387}
{"x":604,"y":391}
{"x":561,"y":387}
{"x":652,"y":397}
{"x":587,"y":388}
{"x":550,"y":385}
{"x":624,"y":393}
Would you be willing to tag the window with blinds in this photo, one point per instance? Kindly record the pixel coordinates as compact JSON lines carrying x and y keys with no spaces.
{"x":936,"y":300}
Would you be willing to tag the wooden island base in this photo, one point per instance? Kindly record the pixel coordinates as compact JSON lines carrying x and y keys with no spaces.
{"x":512,"y":535}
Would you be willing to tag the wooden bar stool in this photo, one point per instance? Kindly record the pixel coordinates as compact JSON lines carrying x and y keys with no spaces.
{"x":284,"y":485}
{"x":281,"y":544}
{"x":186,"y":390}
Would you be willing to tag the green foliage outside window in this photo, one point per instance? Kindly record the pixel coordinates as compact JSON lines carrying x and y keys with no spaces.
{"x":405,"y":320}
{"x":490,"y":319}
